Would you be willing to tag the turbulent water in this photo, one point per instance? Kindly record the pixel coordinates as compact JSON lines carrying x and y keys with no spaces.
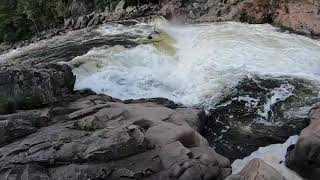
{"x":217,"y":66}
{"x":274,"y":155}
{"x":210,"y":59}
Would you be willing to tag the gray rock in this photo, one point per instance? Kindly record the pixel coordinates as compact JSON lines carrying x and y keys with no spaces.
{"x":304,"y":156}
{"x":85,"y":112}
{"x":130,"y":9}
{"x":120,"y":7}
{"x":68,"y":23}
{"x":96,"y":137}
{"x":33,"y":87}
{"x":82,"y":22}
{"x":21,"y":124}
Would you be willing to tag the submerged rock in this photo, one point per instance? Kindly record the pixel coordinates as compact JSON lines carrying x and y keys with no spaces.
{"x":257,"y":169}
{"x":258,"y":112}
{"x":304,"y":156}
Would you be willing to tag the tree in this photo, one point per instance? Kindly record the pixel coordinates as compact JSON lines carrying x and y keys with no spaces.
{"x":29,"y":8}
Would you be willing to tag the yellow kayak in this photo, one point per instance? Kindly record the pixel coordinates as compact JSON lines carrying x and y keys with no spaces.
{"x":163,"y":42}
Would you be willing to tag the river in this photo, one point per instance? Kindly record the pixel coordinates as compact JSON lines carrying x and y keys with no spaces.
{"x":272,"y":74}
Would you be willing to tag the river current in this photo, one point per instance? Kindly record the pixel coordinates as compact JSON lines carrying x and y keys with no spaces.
{"x":211,"y":59}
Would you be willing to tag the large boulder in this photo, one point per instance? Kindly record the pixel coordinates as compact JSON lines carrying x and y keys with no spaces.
{"x":257,"y":169}
{"x":304,"y":157}
{"x":98,"y":137}
{"x":33,"y":87}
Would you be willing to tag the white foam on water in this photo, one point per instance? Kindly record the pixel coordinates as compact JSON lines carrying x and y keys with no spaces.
{"x":277,"y":95}
{"x":210,"y":59}
{"x":119,"y":29}
{"x":274,"y":155}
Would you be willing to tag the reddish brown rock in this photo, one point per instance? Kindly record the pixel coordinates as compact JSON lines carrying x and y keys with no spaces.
{"x":298,"y":15}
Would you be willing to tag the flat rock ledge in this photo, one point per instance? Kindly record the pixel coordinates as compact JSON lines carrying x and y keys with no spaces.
{"x":97,"y":137}
{"x":81,"y":135}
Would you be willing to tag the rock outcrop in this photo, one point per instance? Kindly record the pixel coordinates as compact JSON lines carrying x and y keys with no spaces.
{"x":87,"y":136}
{"x":119,"y":13}
{"x":300,"y":16}
{"x":257,"y":169}
{"x":304,"y":156}
{"x":34,"y":87}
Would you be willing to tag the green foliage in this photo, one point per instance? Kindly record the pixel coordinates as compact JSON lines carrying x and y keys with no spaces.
{"x":101,"y":5}
{"x":19,"y":19}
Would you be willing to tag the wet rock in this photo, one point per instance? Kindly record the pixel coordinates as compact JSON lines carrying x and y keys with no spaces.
{"x":34,"y":87}
{"x":259,"y":112}
{"x":304,"y":156}
{"x":257,"y":169}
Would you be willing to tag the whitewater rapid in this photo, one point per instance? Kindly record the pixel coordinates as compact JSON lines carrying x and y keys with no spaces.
{"x":210,"y":59}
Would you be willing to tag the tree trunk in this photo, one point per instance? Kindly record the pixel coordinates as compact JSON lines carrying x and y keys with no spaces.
{"x":35,"y":24}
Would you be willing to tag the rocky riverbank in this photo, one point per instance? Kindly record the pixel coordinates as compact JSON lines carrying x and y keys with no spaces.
{"x":88,"y":136}
{"x":298,"y":16}
{"x":50,"y":132}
